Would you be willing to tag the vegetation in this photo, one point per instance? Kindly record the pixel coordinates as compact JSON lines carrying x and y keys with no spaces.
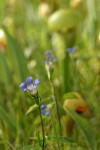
{"x":55,"y":43}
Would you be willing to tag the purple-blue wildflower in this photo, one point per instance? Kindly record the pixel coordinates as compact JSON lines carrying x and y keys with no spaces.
{"x":48,"y":52}
{"x":47,"y":113}
{"x":29,"y":80}
{"x":43,"y":106}
{"x":49,"y":61}
{"x":23,"y":86}
{"x":30,"y":84}
{"x":44,"y":110}
{"x":71,"y":49}
{"x":50,"y":58}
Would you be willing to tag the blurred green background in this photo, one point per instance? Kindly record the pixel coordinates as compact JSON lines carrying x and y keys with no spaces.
{"x":28,"y":28}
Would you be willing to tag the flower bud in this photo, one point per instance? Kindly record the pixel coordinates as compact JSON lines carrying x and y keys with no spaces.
{"x":3,"y":41}
{"x":11,"y":3}
{"x":79,"y":105}
{"x":62,"y":20}
{"x":76,"y":3}
{"x":98,"y":39}
{"x":44,"y":10}
{"x":80,"y":6}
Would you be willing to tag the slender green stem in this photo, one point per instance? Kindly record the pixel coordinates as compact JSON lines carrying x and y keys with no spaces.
{"x":57,"y":109}
{"x":43,"y":145}
{"x":56,"y":102}
{"x":58,"y":116}
{"x":55,"y":130}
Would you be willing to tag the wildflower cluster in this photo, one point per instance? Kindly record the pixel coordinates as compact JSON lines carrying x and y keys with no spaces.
{"x":44,"y":110}
{"x":71,"y":49}
{"x":30,"y":84}
{"x":50,"y":59}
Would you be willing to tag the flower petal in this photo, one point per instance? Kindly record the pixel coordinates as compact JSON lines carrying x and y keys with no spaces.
{"x":23,"y":86}
{"x":29,"y":80}
{"x":43,"y":111}
{"x":37,"y":81}
{"x":47,"y":113}
{"x":35,"y":87}
{"x":43,"y":106}
{"x":49,"y":52}
{"x":70,"y":50}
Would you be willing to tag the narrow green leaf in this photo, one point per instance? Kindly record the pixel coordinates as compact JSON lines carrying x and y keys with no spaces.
{"x":39,"y":140}
{"x":8,"y":119}
{"x":61,"y":109}
{"x":85,"y":128}
{"x":32,"y":108}
{"x":72,"y":95}
{"x":4,"y":70}
{"x":27,"y":147}
{"x":16,"y":57}
{"x":31,"y":147}
{"x":61,"y":139}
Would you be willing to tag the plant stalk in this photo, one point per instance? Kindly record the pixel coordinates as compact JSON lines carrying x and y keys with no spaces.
{"x":43,"y":135}
{"x":56,"y":102}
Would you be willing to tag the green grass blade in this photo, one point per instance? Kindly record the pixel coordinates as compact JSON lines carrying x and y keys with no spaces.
{"x":8,"y":119}
{"x":61,"y":109}
{"x":17,"y":57}
{"x":85,"y":128}
{"x":61,"y":139}
{"x":32,"y":108}
{"x":4,"y":70}
{"x":27,"y":147}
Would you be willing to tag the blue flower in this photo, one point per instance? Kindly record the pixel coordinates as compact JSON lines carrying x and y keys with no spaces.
{"x":50,"y":58}
{"x":30,"y":84}
{"x":23,"y":86}
{"x":44,"y":110}
{"x":29,"y":80}
{"x":49,"y":52}
{"x":43,"y":106}
{"x":71,"y":50}
{"x":47,"y":113}
{"x":49,"y":61}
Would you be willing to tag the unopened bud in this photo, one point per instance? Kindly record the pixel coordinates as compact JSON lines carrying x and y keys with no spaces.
{"x":3,"y":41}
